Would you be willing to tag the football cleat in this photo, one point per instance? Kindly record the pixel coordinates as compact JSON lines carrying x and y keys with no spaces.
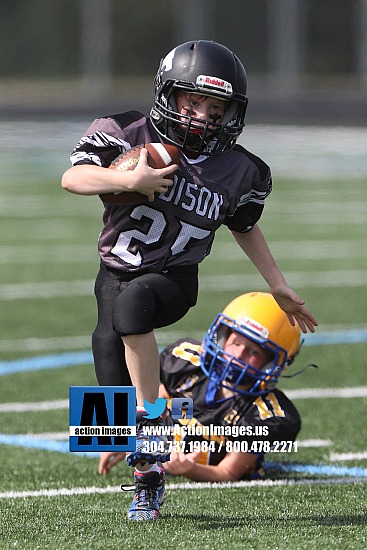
{"x":148,"y":497}
{"x":152,"y":443}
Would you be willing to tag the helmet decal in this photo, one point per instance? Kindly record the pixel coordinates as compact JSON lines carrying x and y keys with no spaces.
{"x":167,"y":62}
{"x":253,"y":325}
{"x":213,"y":83}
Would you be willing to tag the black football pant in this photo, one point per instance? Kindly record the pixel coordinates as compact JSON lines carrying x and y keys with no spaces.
{"x":136,"y":304}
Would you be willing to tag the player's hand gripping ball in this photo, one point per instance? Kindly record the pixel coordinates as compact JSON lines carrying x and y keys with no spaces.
{"x":160,"y":155}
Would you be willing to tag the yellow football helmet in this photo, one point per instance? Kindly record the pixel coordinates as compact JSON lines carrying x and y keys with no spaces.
{"x":257,"y":316}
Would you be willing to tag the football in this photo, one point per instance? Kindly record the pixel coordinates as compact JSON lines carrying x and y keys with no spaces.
{"x":160,"y":155}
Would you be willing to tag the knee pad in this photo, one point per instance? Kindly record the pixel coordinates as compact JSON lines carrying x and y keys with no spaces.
{"x":134,"y":309}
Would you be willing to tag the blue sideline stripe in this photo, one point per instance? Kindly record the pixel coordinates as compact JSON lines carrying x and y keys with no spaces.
{"x":317,"y":469}
{"x":63,"y":447}
{"x":46,"y":362}
{"x":43,"y":444}
{"x":353,"y":336}
{"x":61,"y":360}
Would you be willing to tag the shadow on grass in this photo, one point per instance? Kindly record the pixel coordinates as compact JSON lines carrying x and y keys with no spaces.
{"x":207,"y":522}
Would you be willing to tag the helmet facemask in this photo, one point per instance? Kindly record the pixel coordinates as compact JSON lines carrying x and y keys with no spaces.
{"x":186,"y":132}
{"x":194,"y":134}
{"x":231,"y":373}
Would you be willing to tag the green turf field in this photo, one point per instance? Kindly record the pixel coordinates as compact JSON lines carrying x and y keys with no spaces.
{"x":51,"y":499}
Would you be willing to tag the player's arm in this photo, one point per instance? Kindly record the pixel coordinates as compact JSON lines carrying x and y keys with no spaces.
{"x":254,"y":245}
{"x":109,"y":459}
{"x":232,"y":467}
{"x":90,"y":179}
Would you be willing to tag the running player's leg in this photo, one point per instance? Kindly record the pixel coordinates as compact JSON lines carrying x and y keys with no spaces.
{"x":108,"y":348}
{"x":147,"y":301}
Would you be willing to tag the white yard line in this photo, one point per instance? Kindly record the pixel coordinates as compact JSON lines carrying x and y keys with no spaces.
{"x":306,"y":393}
{"x":307,"y":443}
{"x":33,"y":407}
{"x":341,"y":457}
{"x":222,"y":251}
{"x":182,"y":486}
{"x":298,"y":279}
{"x":47,"y":344}
{"x":315,"y":393}
{"x":54,"y":289}
{"x":208,"y":283}
{"x":164,"y":337}
{"x":54,"y":254}
{"x":80,"y":342}
{"x":296,"y":250}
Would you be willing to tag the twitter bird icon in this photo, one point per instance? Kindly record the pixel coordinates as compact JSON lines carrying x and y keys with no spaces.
{"x":154,"y":409}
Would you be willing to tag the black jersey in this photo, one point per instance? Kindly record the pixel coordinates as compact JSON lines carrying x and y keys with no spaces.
{"x":178,"y":227}
{"x":271,"y":417}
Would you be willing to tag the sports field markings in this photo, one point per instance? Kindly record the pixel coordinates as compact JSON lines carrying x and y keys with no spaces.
{"x":335,"y":457}
{"x":305,"y":210}
{"x":53,"y":254}
{"x":298,"y":279}
{"x":296,"y":250}
{"x":183,"y":486}
{"x":43,"y":206}
{"x":222,"y":252}
{"x":54,"y":289}
{"x":42,"y":362}
{"x":306,"y":393}
{"x":59,"y":442}
{"x":46,"y":344}
{"x":80,"y":342}
{"x":34,"y":407}
{"x":312,"y":153}
{"x":306,"y":152}
{"x":209,"y":283}
{"x":323,"y":393}
{"x":55,"y":436}
{"x":64,"y":436}
{"x":307,"y":443}
{"x":340,"y":335}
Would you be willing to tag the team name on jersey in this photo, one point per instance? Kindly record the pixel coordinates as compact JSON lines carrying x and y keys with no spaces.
{"x":193,"y":197}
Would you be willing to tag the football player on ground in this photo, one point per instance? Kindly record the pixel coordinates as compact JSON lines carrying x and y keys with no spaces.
{"x":150,"y":252}
{"x":231,"y":377}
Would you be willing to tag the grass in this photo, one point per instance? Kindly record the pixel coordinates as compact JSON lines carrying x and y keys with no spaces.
{"x":317,"y":231}
{"x":302,"y":518}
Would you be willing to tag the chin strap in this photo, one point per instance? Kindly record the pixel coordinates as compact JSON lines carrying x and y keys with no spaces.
{"x":300,"y":371}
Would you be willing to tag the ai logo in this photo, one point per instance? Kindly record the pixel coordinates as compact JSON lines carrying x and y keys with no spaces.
{"x":102,"y":418}
{"x":182,"y":409}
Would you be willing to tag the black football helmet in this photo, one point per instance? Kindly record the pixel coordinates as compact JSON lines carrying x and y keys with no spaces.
{"x":206,"y":68}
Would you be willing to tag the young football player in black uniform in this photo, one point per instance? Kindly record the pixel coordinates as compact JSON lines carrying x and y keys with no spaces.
{"x":150,"y":252}
{"x":238,"y":412}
